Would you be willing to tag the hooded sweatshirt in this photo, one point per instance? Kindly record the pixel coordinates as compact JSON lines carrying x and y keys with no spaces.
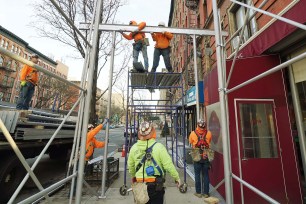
{"x":160,"y":155}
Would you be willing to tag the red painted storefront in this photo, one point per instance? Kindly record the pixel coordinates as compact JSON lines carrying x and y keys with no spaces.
{"x":277,"y":177}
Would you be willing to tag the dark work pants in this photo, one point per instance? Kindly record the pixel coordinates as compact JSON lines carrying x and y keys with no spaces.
{"x":156,"y":197}
{"x":166,"y":55}
{"x":25,"y":96}
{"x":201,"y":177}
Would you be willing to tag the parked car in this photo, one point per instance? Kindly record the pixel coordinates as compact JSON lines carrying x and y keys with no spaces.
{"x":131,"y":129}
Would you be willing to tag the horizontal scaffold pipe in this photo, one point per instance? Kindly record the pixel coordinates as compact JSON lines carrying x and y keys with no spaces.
{"x":47,"y":190}
{"x":151,"y":29}
{"x":39,"y":68}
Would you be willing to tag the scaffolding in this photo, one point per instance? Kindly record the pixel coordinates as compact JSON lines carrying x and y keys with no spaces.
{"x":140,"y":112}
{"x":86,"y":90}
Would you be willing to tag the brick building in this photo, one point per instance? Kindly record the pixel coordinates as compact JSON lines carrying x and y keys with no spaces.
{"x":9,"y":71}
{"x":266,"y":144}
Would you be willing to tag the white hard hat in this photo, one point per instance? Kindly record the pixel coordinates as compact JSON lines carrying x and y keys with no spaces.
{"x":34,"y":55}
{"x":201,"y":123}
{"x":161,"y":24}
{"x":90,"y":126}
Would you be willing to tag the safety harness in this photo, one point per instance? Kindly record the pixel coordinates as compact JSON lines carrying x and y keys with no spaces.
{"x":202,"y":143}
{"x":148,"y":156}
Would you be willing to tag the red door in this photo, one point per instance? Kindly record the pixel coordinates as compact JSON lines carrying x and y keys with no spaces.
{"x":258,"y":143}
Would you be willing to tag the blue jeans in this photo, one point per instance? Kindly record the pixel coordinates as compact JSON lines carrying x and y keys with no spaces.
{"x":25,"y":96}
{"x":201,"y":177}
{"x":144,"y":54}
{"x":166,"y":55}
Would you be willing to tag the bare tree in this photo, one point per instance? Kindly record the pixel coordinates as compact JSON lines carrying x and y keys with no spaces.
{"x":52,"y":91}
{"x":52,"y":25}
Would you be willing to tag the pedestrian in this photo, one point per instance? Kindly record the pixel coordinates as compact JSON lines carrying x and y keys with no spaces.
{"x":162,"y":47}
{"x":200,"y":140}
{"x":148,"y":161}
{"x":139,"y":43}
{"x":28,"y":81}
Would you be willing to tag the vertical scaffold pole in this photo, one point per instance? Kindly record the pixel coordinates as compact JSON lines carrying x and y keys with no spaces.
{"x":196,"y":79}
{"x":87,"y":102}
{"x":224,"y":125}
{"x":109,"y":103}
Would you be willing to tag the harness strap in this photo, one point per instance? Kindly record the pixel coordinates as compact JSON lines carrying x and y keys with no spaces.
{"x":144,"y":158}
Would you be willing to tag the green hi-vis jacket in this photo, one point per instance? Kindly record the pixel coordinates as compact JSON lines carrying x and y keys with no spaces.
{"x":159,"y":154}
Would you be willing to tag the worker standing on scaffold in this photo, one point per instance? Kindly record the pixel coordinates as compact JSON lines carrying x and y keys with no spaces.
{"x":162,"y":47}
{"x":28,"y":81}
{"x":139,"y":43}
{"x":200,"y":140}
{"x":148,"y":161}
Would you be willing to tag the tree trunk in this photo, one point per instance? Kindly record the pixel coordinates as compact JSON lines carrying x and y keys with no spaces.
{"x":93,"y":116}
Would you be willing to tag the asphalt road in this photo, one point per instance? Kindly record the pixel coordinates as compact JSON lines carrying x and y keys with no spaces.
{"x":50,"y":171}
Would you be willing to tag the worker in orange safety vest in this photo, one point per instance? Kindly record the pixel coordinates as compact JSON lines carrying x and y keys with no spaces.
{"x":28,"y":81}
{"x":92,"y":142}
{"x":139,"y":43}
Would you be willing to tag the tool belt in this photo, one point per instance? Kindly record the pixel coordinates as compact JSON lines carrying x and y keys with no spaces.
{"x":158,"y":185}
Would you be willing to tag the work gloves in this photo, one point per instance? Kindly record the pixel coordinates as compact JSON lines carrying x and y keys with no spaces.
{"x":23,"y":83}
{"x":136,"y":30}
{"x":178,"y":183}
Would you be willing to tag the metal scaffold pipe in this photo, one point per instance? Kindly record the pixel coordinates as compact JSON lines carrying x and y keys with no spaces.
{"x":108,"y":113}
{"x":44,"y":151}
{"x":70,"y":22}
{"x":18,"y":153}
{"x":153,"y":29}
{"x":39,"y":68}
{"x":222,"y":97}
{"x":86,"y":109}
{"x":196,"y":77}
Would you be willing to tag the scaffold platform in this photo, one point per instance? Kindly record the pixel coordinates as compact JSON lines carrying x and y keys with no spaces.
{"x":157,"y":80}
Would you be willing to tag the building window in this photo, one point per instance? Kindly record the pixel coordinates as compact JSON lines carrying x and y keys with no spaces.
{"x":2,"y":42}
{"x":13,"y":48}
{"x":1,"y":61}
{"x":25,"y":56}
{"x":1,"y":96}
{"x":5,"y":45}
{"x":237,"y":17}
{"x":257,"y":129}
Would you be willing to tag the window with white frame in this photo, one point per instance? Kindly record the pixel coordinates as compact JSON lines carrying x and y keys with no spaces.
{"x":257,"y":130}
{"x":238,"y":14}
{"x":13,"y":48}
{"x":2,"y":42}
{"x":1,"y":61}
{"x":6,"y":45}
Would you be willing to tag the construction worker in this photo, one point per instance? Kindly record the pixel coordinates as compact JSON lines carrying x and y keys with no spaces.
{"x":148,"y":161}
{"x":139,"y":43}
{"x":162,"y":47}
{"x":28,"y":81}
{"x":92,"y":142}
{"x":201,"y":138}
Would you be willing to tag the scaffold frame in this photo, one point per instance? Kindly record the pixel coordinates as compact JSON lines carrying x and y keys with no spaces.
{"x":86,"y":90}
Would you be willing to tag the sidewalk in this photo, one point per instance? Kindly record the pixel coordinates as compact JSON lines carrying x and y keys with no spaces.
{"x":113,"y":196}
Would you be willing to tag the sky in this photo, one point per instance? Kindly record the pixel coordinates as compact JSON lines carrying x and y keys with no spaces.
{"x":17,"y":16}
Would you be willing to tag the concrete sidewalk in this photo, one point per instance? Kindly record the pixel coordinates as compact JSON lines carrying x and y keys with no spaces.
{"x":113,"y":196}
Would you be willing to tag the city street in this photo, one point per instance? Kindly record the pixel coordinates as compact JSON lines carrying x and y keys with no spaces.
{"x":50,"y":171}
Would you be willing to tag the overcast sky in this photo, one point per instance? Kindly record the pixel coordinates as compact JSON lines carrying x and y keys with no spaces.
{"x":16,"y":16}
